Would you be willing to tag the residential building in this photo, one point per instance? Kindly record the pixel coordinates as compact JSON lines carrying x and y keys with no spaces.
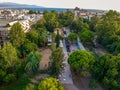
{"x":87,"y":14}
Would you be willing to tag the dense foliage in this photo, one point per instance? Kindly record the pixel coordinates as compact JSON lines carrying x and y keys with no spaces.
{"x":51,"y":21}
{"x":72,"y":37}
{"x":81,"y":61}
{"x":17,"y":35}
{"x":108,"y":30}
{"x":26,"y":48}
{"x":50,"y":84}
{"x":65,"y":18}
{"x":87,"y":37}
{"x":33,"y":60}
{"x":56,"y":65}
{"x":107,"y":71}
{"x":9,"y":63}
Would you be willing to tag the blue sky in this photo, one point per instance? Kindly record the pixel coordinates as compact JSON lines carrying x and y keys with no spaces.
{"x":87,"y":4}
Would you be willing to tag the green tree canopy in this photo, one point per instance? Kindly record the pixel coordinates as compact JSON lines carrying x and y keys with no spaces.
{"x":108,"y":31}
{"x":51,"y":21}
{"x":87,"y":37}
{"x":33,"y":36}
{"x":72,"y":37}
{"x":57,"y":39}
{"x":9,"y":63}
{"x":106,"y":71}
{"x":56,"y":62}
{"x":81,"y":60}
{"x":94,"y":21}
{"x":27,"y":47}
{"x":50,"y":84}
{"x":9,"y":54}
{"x":65,"y":18}
{"x":17,"y":35}
{"x":33,"y":60}
{"x":39,"y":38}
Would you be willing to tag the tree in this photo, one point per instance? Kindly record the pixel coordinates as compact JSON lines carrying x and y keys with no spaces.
{"x":56,"y":60}
{"x":52,"y":21}
{"x":87,"y":37}
{"x":93,"y":22}
{"x":40,"y":25}
{"x":33,"y":36}
{"x":50,"y":84}
{"x":17,"y":35}
{"x":9,"y":54}
{"x":38,"y":37}
{"x":43,"y":38}
{"x":81,"y":61}
{"x":33,"y":60}
{"x":77,"y":25}
{"x":9,"y":63}
{"x":65,"y":18}
{"x":27,"y":47}
{"x":72,"y":37}
{"x":57,"y":39}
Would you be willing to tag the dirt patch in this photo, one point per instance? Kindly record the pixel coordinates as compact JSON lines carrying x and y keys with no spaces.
{"x":82,"y":82}
{"x":44,"y":63}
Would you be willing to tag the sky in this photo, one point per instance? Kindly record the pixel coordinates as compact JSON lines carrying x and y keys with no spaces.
{"x":84,"y":4}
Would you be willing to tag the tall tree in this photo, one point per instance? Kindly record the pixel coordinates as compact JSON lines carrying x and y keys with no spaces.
{"x":56,"y":62}
{"x":17,"y":35}
{"x":57,"y":39}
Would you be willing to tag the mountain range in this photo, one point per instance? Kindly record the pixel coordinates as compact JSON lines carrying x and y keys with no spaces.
{"x":15,"y":5}
{"x":11,"y":5}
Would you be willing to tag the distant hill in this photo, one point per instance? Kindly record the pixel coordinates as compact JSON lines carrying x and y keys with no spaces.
{"x":11,"y":5}
{"x":15,"y":5}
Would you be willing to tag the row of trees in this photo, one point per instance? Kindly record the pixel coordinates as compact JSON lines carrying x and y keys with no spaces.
{"x":108,"y":31}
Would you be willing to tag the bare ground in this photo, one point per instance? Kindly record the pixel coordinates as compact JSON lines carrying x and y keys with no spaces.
{"x":82,"y":82}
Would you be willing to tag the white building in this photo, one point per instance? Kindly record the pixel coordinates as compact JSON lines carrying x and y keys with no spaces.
{"x":24,"y":23}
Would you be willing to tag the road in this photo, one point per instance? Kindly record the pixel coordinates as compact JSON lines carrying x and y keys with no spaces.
{"x":66,"y":77}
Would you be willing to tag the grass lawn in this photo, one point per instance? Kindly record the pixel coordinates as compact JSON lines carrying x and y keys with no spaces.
{"x":20,"y":84}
